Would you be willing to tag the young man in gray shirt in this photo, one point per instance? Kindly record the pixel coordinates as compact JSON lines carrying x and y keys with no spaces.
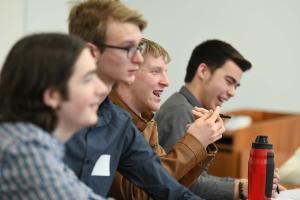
{"x":212,"y":76}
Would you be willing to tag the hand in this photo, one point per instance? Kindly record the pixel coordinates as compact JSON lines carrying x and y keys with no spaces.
{"x":243,"y":189}
{"x":276,"y":185}
{"x":208,"y":126}
{"x":199,"y":112}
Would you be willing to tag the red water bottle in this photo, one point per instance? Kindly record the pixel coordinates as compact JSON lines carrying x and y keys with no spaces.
{"x":260,"y":169}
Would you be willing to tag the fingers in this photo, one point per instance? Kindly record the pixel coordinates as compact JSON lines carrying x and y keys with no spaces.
{"x":218,"y":137}
{"x":221,"y":128}
{"x":188,"y":125}
{"x":281,"y":188}
{"x":276,"y":186}
{"x":201,"y":110}
{"x":208,"y":127}
{"x":215,"y":115}
{"x":201,"y":113}
{"x":276,"y":174}
{"x":197,"y":114}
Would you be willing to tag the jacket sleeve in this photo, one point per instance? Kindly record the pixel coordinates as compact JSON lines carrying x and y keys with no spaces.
{"x":185,"y":162}
{"x":195,"y":172}
{"x":171,"y":125}
{"x":143,"y":168}
{"x":214,"y":188}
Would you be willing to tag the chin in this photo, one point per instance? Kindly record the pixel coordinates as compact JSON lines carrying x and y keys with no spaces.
{"x":92,"y":121}
{"x":128,"y":81}
{"x":155,"y":108}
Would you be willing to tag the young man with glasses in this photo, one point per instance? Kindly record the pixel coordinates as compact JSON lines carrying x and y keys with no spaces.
{"x":113,"y":34}
{"x":141,"y":98}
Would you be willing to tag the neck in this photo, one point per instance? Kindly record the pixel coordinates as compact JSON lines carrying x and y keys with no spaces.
{"x":107,"y":81}
{"x":196,"y":89}
{"x":124,"y":93}
{"x":64,"y":133}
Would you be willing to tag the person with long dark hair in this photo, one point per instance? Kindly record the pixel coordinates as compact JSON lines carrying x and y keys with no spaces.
{"x":49,"y":89}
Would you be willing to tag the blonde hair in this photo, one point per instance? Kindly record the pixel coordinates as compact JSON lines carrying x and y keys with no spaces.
{"x":155,"y":50}
{"x":89,"y":19}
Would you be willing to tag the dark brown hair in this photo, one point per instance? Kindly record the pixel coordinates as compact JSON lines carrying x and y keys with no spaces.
{"x":214,"y":53}
{"x":34,"y":64}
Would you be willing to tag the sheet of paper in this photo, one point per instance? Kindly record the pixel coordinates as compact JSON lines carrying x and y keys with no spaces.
{"x":102,"y":166}
{"x":293,"y":194}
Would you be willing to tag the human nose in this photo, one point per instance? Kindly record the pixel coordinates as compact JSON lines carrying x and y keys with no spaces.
{"x":231,"y":91}
{"x":165,"y":80}
{"x":137,"y":57}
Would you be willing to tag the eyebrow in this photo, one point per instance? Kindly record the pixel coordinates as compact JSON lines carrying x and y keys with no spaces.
{"x":233,"y":80}
{"x":156,"y":67}
{"x":129,"y":43}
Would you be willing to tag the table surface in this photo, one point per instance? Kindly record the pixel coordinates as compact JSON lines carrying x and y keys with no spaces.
{"x":293,"y":194}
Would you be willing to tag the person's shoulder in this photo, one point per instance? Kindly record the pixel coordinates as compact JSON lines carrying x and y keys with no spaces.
{"x":108,"y":107}
{"x":22,"y":132}
{"x":175,"y":103}
{"x":24,"y":137}
{"x":175,"y":100}
{"x":116,"y":118}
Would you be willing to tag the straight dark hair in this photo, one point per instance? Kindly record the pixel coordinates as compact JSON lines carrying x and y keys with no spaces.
{"x":34,"y":64}
{"x":214,"y":53}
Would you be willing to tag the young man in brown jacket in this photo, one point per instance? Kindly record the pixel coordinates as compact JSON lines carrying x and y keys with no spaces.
{"x":192,"y":153}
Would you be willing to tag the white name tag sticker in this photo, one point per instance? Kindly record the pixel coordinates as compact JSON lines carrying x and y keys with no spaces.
{"x":102,"y":166}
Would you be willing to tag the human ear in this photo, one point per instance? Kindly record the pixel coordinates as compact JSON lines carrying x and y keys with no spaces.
{"x":52,"y":98}
{"x":202,"y":71}
{"x":93,"y":49}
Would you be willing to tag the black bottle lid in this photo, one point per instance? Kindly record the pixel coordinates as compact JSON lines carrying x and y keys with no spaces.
{"x":261,"y":142}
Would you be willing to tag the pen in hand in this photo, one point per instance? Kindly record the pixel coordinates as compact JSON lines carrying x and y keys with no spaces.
{"x":225,"y":116}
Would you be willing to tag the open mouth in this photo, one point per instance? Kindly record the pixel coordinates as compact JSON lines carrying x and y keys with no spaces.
{"x":222,"y":100}
{"x":157,"y":92}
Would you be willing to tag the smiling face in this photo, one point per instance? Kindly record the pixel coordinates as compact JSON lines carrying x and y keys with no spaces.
{"x":115,"y":65}
{"x":85,"y":93}
{"x":220,"y":86}
{"x":151,"y":80}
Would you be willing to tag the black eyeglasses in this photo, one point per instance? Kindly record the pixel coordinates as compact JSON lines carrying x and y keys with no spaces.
{"x":131,"y":50}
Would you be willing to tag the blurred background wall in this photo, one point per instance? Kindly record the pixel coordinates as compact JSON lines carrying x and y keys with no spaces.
{"x":266,"y":32}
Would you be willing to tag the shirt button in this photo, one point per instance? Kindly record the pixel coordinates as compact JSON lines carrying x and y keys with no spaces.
{"x":87,"y":161}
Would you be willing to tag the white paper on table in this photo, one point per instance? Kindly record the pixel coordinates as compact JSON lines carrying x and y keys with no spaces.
{"x":293,"y":194}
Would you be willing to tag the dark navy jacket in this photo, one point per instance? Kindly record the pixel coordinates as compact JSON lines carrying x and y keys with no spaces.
{"x":115,"y":135}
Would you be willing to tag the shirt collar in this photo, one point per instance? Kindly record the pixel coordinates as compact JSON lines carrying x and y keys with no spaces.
{"x":139,"y":121}
{"x":189,"y":96}
{"x":104,"y":113}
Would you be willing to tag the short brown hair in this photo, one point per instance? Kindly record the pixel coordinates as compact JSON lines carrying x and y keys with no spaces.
{"x":89,"y":19}
{"x":155,"y":49}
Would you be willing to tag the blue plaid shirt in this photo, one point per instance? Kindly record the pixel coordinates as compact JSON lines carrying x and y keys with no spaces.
{"x":31,"y":166}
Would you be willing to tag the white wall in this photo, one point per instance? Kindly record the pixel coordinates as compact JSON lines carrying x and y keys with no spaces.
{"x":46,"y":15}
{"x":266,"y":32}
{"x":12,"y":15}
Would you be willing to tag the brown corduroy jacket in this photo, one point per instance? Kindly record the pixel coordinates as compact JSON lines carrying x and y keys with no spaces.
{"x":184,"y":162}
